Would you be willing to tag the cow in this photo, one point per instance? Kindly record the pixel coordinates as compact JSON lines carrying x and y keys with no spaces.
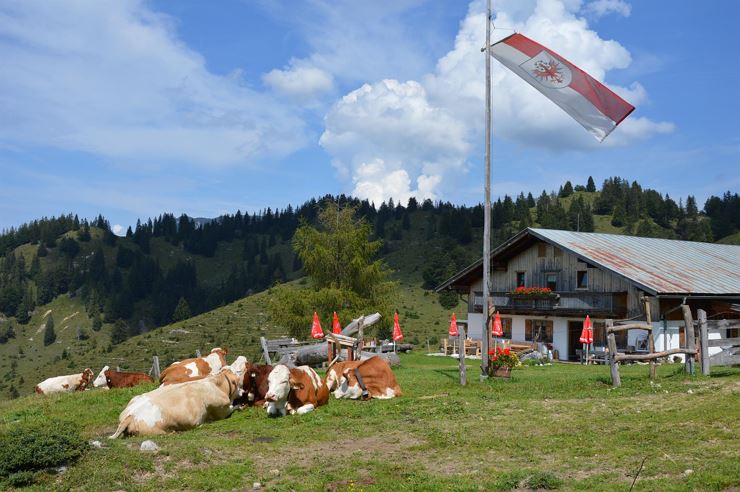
{"x":255,"y":385}
{"x":364,"y":379}
{"x":119,"y":379}
{"x":195,"y":368}
{"x":294,"y":390}
{"x":65,"y":384}
{"x":180,"y":406}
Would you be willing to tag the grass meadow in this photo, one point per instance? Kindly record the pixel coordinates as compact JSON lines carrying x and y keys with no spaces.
{"x":552,"y":427}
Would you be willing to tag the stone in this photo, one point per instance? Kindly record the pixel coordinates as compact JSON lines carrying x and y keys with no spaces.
{"x":256,"y":486}
{"x":149,"y":446}
{"x":96,"y":444}
{"x":275,"y":472}
{"x":688,"y":472}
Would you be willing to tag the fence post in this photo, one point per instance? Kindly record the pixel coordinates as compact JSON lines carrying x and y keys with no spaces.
{"x":704,"y":334}
{"x":197,"y":352}
{"x":461,"y":342}
{"x":651,"y":340}
{"x":690,"y":341}
{"x":265,"y":352}
{"x":612,"y":344}
{"x":155,"y":368}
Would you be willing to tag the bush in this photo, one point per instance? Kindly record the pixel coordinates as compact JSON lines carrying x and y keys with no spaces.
{"x":543,"y":480}
{"x":31,"y":447}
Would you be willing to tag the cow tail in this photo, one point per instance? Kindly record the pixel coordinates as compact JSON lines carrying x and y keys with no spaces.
{"x":122,"y":427}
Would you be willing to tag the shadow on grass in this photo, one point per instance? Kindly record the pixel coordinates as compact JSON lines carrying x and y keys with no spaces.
{"x":453,"y":374}
{"x":723,"y":372}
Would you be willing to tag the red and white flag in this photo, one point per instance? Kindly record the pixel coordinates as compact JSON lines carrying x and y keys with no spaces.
{"x":585,"y":99}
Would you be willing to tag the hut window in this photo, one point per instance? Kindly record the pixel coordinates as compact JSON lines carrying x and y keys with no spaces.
{"x":557,"y":252}
{"x":551,"y":279}
{"x":538,"y":330}
{"x":582,"y":279}
{"x":520,"y":281}
{"x":542,"y":250}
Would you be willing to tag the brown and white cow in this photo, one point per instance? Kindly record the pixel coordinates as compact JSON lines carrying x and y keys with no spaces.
{"x":255,"y":385}
{"x":120,"y":379}
{"x":65,"y":384}
{"x":297,"y":390}
{"x":195,"y":368}
{"x":180,"y":406}
{"x":376,"y":379}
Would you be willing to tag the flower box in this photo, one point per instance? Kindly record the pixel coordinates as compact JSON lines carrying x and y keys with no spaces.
{"x":502,"y":372}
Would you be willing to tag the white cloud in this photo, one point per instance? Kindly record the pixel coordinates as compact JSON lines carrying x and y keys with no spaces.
{"x":114,"y":79}
{"x":381,"y":134}
{"x":600,"y":8}
{"x":118,"y":230}
{"x":300,"y":81}
{"x":427,"y":128}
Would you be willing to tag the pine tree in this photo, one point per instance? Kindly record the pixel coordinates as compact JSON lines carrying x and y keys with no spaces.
{"x":50,"y":335}
{"x":590,"y":186}
{"x":567,"y":190}
{"x":13,"y":392}
{"x":21,"y":314}
{"x":119,"y":333}
{"x":182,"y":310}
{"x":42,"y":251}
{"x":619,"y":217}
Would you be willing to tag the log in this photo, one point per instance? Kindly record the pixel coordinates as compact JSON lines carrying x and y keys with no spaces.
{"x":461,"y":341}
{"x":314,"y":355}
{"x":690,"y":341}
{"x":651,"y":339}
{"x":630,"y":326}
{"x":655,"y":355}
{"x":614,"y":365}
{"x":704,"y":336}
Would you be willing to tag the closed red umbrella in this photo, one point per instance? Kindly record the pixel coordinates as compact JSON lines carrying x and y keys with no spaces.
{"x":453,"y":326}
{"x":397,"y":334}
{"x":497,"y":330}
{"x":587,"y":334}
{"x":316,"y":331}
{"x":336,"y":327}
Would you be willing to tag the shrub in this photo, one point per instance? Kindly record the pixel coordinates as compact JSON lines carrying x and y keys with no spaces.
{"x":31,"y":447}
{"x":543,"y":480}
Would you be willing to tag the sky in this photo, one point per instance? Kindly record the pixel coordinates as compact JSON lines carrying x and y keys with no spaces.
{"x":134,"y":108}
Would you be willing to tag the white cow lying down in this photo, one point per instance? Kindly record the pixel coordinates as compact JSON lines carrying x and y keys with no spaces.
{"x":182,"y":406}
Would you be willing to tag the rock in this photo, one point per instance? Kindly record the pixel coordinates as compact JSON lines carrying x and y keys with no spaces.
{"x":149,"y":446}
{"x":256,"y":486}
{"x":96,"y":444}
{"x":533,"y":355}
{"x":691,"y":392}
{"x":688,"y":472}
{"x":60,"y":469}
{"x":275,"y":472}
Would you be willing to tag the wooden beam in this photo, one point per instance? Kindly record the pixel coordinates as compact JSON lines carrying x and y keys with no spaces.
{"x":612,"y":344}
{"x":724,"y":342}
{"x":651,"y":341}
{"x":704,"y":337}
{"x":690,"y":341}
{"x":652,"y":356}
{"x":265,"y":352}
{"x":630,"y":326}
{"x":461,"y":342}
{"x":722,"y":324}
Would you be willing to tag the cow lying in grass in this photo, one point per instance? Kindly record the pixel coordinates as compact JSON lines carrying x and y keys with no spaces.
{"x":298,"y":390}
{"x":195,"y":368}
{"x":255,"y":385}
{"x":120,"y":379}
{"x":362,"y":379}
{"x":181,"y":406}
{"x":65,"y":384}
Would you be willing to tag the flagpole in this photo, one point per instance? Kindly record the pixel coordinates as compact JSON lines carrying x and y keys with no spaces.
{"x":487,"y":205}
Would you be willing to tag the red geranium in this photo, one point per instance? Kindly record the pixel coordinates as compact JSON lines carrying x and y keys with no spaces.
{"x":532,"y":291}
{"x":503,"y":357}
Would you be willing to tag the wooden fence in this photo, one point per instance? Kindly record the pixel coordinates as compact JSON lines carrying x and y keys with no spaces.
{"x":730,"y":353}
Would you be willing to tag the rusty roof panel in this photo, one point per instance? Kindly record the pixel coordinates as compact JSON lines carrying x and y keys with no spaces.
{"x":663,"y":266}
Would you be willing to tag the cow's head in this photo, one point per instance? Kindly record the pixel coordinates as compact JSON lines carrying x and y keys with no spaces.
{"x":101,"y":381}
{"x":333,"y":375}
{"x":234,"y":382}
{"x":280,"y":383}
{"x":239,"y":366}
{"x":87,"y":377}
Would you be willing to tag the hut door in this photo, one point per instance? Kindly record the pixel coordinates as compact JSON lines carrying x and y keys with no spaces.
{"x":574,"y":334}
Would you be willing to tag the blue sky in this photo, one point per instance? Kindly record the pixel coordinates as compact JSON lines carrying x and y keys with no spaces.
{"x":134,"y":108}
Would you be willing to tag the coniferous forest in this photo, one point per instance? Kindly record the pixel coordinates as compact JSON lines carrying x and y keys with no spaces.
{"x":136,"y":282}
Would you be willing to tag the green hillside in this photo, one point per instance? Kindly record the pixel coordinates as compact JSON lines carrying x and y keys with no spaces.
{"x":221,"y":269}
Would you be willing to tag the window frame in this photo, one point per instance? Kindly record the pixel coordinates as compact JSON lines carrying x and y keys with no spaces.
{"x":578,"y":279}
{"x":523,"y":283}
{"x":547,"y":281}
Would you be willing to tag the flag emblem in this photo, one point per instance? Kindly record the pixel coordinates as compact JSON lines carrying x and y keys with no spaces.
{"x":548,"y":71}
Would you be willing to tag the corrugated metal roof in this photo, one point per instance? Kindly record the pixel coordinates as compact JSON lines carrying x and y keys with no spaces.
{"x":663,"y":266}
